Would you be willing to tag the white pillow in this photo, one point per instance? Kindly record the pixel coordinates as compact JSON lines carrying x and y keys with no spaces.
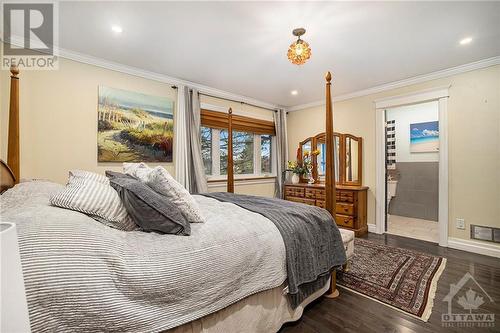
{"x":94,"y":198}
{"x":82,"y":174}
{"x":138,"y":170}
{"x":162,"y":182}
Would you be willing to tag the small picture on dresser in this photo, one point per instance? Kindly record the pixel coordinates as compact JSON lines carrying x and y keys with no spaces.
{"x":134,"y":127}
{"x":424,"y":137}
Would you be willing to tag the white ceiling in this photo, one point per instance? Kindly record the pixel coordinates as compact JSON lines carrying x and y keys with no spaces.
{"x":240,"y":47}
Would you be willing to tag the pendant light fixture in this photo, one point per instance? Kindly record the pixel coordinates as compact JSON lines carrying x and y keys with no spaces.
{"x":299,"y":51}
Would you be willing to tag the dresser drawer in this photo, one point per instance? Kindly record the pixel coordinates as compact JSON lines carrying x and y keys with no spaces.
{"x":344,"y":221}
{"x":345,"y":196}
{"x":311,"y":202}
{"x":310,"y":193}
{"x":313,"y":193}
{"x":294,"y":191}
{"x":344,"y":208}
{"x":320,"y":203}
{"x":320,"y":194}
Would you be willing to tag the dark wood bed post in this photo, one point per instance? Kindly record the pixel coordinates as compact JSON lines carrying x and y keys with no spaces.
{"x":330,"y":171}
{"x":230,"y":166}
{"x":330,"y":165}
{"x":13,"y":141}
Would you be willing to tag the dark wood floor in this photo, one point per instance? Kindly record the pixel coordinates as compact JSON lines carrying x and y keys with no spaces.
{"x":354,"y":313}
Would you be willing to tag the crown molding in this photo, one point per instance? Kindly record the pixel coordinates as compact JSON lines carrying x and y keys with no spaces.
{"x":406,"y":82}
{"x":118,"y":67}
{"x":135,"y":71}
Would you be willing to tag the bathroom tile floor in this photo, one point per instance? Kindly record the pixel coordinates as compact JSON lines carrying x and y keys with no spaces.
{"x":414,"y":228}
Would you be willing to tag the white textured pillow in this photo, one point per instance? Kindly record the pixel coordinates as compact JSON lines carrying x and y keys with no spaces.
{"x":96,"y":199}
{"x":162,"y":182}
{"x":138,"y":170}
{"x":82,"y":174}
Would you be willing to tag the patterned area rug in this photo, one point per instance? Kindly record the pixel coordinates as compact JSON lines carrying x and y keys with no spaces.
{"x":402,"y":279}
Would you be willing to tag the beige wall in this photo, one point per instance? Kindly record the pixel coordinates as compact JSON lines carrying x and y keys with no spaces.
{"x":264,"y":188}
{"x":238,"y":108}
{"x":58,"y":119}
{"x":474,"y":142}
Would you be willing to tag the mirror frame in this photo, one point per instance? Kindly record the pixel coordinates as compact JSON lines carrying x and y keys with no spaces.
{"x":359,"y":140}
{"x":342,"y":151}
{"x":316,"y":140}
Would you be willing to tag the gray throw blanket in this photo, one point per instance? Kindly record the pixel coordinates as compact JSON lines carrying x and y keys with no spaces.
{"x":312,"y":240}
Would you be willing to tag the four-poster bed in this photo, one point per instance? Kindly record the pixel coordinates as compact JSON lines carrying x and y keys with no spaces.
{"x":9,"y":173}
{"x":329,"y":169}
{"x":268,"y":300}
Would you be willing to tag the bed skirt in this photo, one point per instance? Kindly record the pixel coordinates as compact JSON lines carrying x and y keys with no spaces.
{"x":263,"y":312}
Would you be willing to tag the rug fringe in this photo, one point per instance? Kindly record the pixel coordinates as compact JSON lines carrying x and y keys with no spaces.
{"x":376,"y":300}
{"x":432,"y":292}
{"x":430,"y":300}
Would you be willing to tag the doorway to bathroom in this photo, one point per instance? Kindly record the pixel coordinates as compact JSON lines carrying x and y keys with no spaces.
{"x":412,"y":171}
{"x":439,"y":95}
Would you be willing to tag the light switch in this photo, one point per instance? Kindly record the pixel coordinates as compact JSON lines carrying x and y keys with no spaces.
{"x":460,"y":223}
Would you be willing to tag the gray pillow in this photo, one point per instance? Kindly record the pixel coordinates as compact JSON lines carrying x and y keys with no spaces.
{"x":149,"y":210}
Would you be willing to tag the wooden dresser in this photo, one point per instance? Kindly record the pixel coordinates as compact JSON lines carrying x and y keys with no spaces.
{"x":351,"y":203}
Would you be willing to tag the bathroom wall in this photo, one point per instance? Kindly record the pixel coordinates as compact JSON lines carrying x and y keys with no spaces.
{"x":417,"y":193}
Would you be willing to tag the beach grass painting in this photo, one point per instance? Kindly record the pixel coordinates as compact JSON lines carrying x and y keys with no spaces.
{"x":134,"y":127}
{"x":424,"y":137}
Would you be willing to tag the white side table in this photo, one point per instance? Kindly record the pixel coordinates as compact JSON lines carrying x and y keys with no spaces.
{"x":13,"y":307}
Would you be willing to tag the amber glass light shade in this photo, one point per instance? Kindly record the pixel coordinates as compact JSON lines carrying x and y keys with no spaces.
{"x":299,"y":52}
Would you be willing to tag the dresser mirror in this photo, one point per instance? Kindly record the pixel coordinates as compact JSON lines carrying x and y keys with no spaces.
{"x":321,"y":158}
{"x":306,"y":145}
{"x":348,"y":155}
{"x":352,"y":160}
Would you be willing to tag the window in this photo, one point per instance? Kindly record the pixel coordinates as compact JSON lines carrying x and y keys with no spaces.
{"x":252,"y":153}
{"x":265,"y":153}
{"x":243,"y":151}
{"x":206,"y":149}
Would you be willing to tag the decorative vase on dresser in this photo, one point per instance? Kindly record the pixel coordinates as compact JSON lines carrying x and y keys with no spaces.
{"x":350,"y":208}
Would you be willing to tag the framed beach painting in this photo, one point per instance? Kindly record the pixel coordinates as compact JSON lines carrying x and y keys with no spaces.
{"x":424,"y":137}
{"x":134,"y":127}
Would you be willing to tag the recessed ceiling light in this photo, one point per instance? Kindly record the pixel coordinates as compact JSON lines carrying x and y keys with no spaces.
{"x":117,"y":29}
{"x":466,"y":41}
{"x":294,"y":92}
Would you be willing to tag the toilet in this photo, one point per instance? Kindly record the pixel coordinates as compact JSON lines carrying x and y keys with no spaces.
{"x":391,"y":190}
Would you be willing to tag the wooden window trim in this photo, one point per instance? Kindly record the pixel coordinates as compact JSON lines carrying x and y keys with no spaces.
{"x":219,"y":120}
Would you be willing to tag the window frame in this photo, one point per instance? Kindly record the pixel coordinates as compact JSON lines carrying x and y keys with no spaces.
{"x":257,"y":162}
{"x":256,"y":175}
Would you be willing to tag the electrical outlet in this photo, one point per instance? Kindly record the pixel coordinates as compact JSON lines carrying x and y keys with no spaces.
{"x":460,"y":223}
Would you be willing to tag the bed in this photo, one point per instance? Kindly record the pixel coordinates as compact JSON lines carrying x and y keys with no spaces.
{"x":80,"y":275}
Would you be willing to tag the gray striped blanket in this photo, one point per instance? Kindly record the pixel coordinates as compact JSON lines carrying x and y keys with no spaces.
{"x":312,"y":240}
{"x":83,"y":276}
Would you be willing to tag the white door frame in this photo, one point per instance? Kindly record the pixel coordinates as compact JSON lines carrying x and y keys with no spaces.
{"x":439,"y":94}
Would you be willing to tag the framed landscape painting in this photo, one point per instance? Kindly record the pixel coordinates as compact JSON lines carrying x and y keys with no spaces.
{"x":424,"y":137}
{"x":134,"y":127}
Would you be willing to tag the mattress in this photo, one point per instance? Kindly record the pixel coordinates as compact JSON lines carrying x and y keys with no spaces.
{"x":263,"y":312}
{"x":81,"y":275}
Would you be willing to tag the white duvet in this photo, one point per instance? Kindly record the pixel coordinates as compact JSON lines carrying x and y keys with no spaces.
{"x":81,"y":275}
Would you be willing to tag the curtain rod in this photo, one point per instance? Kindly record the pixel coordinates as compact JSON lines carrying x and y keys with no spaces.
{"x":235,"y":101}
{"x":232,"y":100}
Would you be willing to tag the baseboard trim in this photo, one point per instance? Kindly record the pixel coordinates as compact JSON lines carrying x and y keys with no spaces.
{"x":478,"y":247}
{"x":372,"y":228}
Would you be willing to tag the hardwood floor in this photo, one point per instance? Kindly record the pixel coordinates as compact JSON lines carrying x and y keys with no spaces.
{"x":354,"y":313}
